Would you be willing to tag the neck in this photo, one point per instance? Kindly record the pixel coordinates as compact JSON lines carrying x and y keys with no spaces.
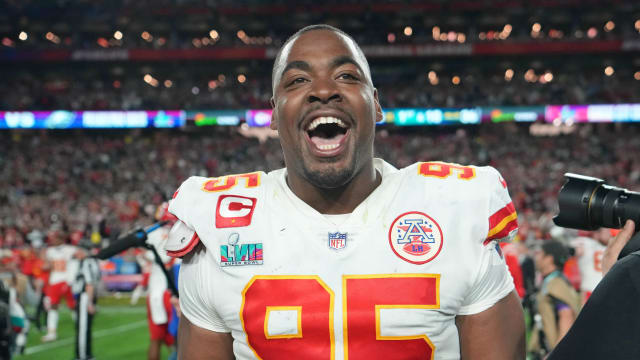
{"x":549,"y":270}
{"x":341,"y":200}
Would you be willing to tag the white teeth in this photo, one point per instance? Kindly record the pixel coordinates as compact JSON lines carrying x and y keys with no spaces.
{"x":328,"y":147}
{"x":326,"y":120}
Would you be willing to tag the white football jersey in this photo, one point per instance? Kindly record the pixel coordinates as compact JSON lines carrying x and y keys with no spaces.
{"x":157,"y":279}
{"x":63,"y":266}
{"x":385,"y":283}
{"x":589,"y":262}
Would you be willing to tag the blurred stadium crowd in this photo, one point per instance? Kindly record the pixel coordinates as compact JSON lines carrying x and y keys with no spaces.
{"x":236,"y":85}
{"x":131,"y":55}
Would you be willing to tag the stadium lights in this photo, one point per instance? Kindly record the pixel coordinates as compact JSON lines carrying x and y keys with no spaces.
{"x":530,"y":76}
{"x":637,"y":24}
{"x":117,"y":84}
{"x":462,"y":38}
{"x":23,"y":36}
{"x":103,"y":42}
{"x":548,"y":76}
{"x":433,"y":78}
{"x":150,"y":80}
{"x":637,"y":75}
{"x":391,"y":37}
{"x":508,"y":75}
{"x":436,"y":33}
{"x":52,"y":37}
{"x":535,"y":30}
{"x":196,"y":42}
{"x":609,"y":71}
{"x":408,"y":31}
{"x":242,"y":79}
{"x":7,"y":42}
{"x":610,"y":25}
{"x":195,"y":90}
{"x":117,"y":35}
{"x":213,"y":84}
{"x":221,"y":78}
{"x":168,"y":83}
{"x":455,"y":80}
{"x":146,"y":36}
{"x":592,"y":32}
{"x":506,"y":31}
{"x":214,"y":35}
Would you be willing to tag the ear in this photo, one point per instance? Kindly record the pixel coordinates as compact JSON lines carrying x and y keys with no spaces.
{"x":379,"y":113}
{"x":274,"y":121}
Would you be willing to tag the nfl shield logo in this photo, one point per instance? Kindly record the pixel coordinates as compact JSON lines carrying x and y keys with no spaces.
{"x":337,"y":240}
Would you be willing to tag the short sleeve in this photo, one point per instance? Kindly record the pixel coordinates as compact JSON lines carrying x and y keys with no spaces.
{"x":492,"y":284}
{"x":503,"y":219}
{"x":196,"y":296}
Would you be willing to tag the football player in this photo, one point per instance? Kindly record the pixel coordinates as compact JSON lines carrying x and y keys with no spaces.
{"x":158,"y":300}
{"x":340,"y":255}
{"x":63,"y":268}
{"x":589,"y":251}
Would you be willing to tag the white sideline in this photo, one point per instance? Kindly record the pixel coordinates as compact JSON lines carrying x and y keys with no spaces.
{"x":67,"y":341}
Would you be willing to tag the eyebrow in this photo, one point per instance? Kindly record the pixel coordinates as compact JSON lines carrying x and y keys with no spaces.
{"x":344,"y":59}
{"x":298,"y":64}
{"x":305,"y":66}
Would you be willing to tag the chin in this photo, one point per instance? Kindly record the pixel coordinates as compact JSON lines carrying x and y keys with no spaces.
{"x":330,"y":177}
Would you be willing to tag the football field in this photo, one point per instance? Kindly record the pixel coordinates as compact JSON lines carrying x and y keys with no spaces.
{"x":119,"y":332}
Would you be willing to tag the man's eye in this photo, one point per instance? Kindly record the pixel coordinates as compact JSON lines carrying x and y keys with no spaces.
{"x":347,"y":76}
{"x":295,"y":81}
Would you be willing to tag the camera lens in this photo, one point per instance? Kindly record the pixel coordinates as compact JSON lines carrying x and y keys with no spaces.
{"x":587,"y":203}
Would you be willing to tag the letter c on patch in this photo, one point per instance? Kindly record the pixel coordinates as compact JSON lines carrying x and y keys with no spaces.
{"x":234,"y":211}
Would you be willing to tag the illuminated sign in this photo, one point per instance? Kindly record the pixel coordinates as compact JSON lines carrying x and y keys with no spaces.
{"x":512,"y":113}
{"x":216,"y":117}
{"x":259,"y":118}
{"x":62,"y":119}
{"x":593,"y":113}
{"x":412,"y":117}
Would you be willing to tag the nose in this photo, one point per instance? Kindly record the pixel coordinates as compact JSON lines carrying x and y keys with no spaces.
{"x":324,"y":91}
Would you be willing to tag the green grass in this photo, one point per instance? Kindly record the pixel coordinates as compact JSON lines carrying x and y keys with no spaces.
{"x":120,"y":331}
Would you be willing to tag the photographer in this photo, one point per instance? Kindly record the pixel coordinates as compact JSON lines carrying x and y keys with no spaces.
{"x":608,"y":326}
{"x":558,"y":303}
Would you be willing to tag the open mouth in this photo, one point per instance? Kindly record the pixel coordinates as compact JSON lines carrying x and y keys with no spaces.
{"x":327,"y":133}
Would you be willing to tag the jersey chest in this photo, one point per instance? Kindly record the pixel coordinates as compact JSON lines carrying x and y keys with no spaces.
{"x":402,"y":277}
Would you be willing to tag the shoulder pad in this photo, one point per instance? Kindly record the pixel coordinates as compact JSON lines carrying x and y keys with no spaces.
{"x":182,"y":239}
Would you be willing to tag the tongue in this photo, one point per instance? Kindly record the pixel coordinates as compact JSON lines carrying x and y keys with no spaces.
{"x":320,"y":141}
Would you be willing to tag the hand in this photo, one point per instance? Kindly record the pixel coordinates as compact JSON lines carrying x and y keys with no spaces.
{"x":91,"y":309}
{"x":176,"y":304}
{"x":615,"y":246}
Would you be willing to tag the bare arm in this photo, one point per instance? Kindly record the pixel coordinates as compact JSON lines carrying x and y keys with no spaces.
{"x":196,"y":343}
{"x":494,"y":334}
{"x":566,"y":317}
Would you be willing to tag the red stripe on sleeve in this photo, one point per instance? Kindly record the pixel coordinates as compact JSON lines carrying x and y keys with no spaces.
{"x":497,"y":217}
{"x":512,"y":225}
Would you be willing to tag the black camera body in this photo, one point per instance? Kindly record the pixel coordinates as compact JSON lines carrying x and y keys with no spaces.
{"x":587,"y":203}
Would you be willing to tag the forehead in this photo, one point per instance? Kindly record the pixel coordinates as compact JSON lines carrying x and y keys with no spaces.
{"x":325,"y":42}
{"x":318,"y":46}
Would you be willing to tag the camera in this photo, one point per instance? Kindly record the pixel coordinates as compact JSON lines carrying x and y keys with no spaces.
{"x":587,"y":203}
